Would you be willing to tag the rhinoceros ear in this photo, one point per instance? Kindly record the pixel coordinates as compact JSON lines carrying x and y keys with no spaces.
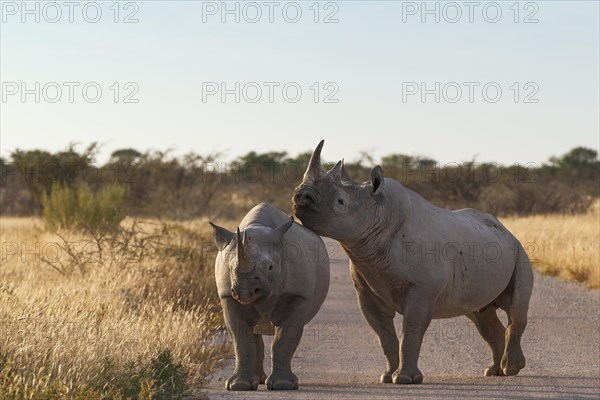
{"x":221,"y":236}
{"x":283,"y":228}
{"x":377,"y":180}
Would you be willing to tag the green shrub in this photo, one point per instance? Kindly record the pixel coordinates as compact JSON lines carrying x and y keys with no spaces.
{"x":80,"y":208}
{"x":158,"y":379}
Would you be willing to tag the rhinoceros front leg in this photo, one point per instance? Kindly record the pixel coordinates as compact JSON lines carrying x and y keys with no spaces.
{"x":288,"y":333}
{"x":285,"y":342}
{"x":260,"y":356}
{"x":418,"y":311}
{"x":381,"y":320}
{"x":240,"y":321}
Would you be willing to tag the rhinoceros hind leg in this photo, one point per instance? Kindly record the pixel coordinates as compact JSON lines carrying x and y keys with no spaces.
{"x":493,"y":370}
{"x":513,"y":359}
{"x":519,"y":290}
{"x":492,"y":331}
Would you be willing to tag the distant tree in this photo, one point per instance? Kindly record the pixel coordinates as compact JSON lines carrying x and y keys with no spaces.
{"x":365,"y":159}
{"x":265,"y":167}
{"x":125,"y":156}
{"x":3,"y":172}
{"x":425,"y":163}
{"x":577,"y":157}
{"x":397,"y":161}
{"x":272,"y":157}
{"x":301,"y":160}
{"x":39,"y":170}
{"x":401,"y":166}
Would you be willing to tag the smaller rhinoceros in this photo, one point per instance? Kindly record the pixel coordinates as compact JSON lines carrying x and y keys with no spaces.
{"x":271,"y":273}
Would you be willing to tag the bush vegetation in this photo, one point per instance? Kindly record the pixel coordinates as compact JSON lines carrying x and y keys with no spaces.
{"x":80,"y":208}
{"x":129,"y":314}
{"x":158,"y":185}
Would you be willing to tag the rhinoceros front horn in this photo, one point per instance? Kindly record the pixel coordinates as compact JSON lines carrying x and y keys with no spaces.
{"x":243,"y":263}
{"x":315,"y":170}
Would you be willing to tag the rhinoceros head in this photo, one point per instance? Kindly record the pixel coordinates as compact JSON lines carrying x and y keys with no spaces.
{"x":333,"y":205}
{"x":254,"y":259}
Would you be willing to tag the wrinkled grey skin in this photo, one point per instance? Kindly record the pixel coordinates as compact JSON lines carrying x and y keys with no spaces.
{"x":410,"y":257}
{"x":272,"y":277}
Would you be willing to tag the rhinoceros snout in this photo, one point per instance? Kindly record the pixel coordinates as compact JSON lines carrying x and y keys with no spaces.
{"x":304,"y":198}
{"x":247,"y":296}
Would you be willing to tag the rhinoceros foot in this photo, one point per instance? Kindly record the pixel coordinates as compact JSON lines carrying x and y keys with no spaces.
{"x":513,"y":359}
{"x":511,"y":365}
{"x":493,"y":370}
{"x":282,"y":381}
{"x":386,"y":378}
{"x":407,"y":377}
{"x":263,"y":378}
{"x":239,"y":383}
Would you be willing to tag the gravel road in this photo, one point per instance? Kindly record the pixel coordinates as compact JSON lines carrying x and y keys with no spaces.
{"x":339,"y":357}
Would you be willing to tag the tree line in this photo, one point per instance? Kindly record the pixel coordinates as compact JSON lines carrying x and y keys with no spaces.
{"x":157,"y":184}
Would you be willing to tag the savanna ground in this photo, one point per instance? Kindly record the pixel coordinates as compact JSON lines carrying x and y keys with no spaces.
{"x":133,"y":314}
{"x":567,"y":246}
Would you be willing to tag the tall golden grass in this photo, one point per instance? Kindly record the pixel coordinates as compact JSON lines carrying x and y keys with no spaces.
{"x":88,"y":317}
{"x":567,"y":246}
{"x":85,"y":316}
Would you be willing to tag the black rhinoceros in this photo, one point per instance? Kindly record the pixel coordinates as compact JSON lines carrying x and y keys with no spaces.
{"x":272,"y":273}
{"x":410,"y":257}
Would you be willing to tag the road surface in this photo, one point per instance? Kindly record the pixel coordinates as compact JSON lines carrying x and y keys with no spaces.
{"x":339,"y":357}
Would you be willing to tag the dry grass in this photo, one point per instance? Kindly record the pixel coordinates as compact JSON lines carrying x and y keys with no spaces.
{"x":567,"y":246}
{"x":101,"y":322}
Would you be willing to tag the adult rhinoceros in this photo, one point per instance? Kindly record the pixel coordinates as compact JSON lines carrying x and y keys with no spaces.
{"x":271,"y":273}
{"x":422,"y":261}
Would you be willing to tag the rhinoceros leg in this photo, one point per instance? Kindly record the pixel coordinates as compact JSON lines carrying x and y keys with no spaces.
{"x":260,"y":357}
{"x":491,"y":329}
{"x":418,"y":311}
{"x":519,"y":291}
{"x":381,"y":320}
{"x":285,"y":343}
{"x":240,"y":321}
{"x":288,"y":333}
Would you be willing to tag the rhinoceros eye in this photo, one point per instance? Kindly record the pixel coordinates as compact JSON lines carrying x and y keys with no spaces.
{"x":341,"y":201}
{"x":270,"y":267}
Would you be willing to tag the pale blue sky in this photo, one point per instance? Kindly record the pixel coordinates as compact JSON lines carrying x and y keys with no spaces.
{"x":369,"y":53}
